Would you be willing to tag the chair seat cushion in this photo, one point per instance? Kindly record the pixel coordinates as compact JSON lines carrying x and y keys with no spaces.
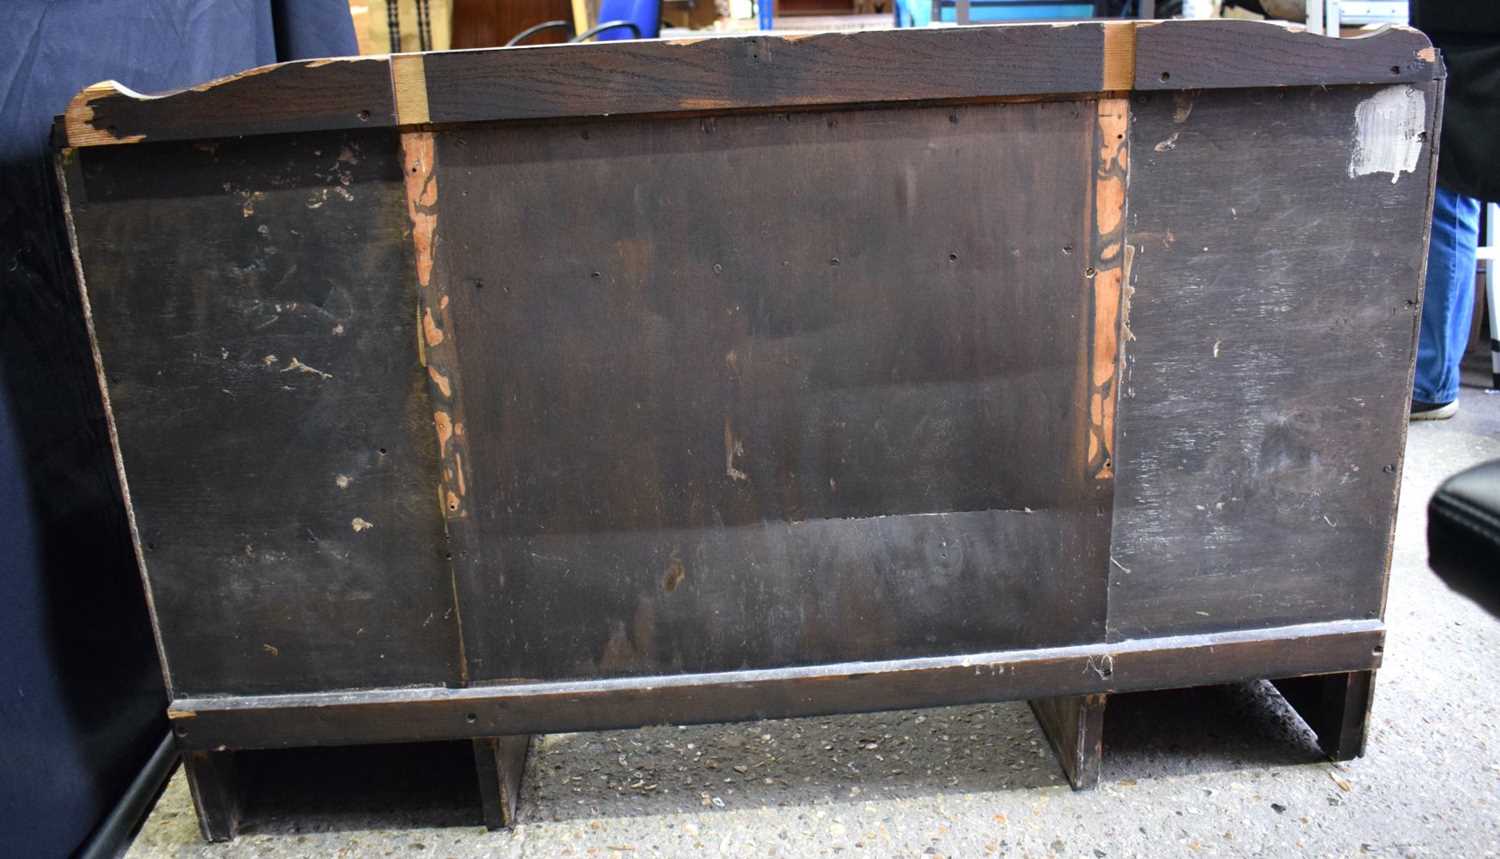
{"x":1463,"y":534}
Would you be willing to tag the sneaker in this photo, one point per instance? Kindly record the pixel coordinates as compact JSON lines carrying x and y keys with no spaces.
{"x":1421,"y":411}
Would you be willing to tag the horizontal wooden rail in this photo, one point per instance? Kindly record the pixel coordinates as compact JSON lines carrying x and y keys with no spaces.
{"x":754,"y":72}
{"x":400,"y":715}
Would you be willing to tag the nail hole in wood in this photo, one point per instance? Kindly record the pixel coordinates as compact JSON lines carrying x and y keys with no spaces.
{"x":1166,"y":76}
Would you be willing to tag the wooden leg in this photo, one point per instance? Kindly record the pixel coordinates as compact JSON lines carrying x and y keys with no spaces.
{"x":1335,"y":706}
{"x":211,"y":779}
{"x":500,"y":762}
{"x":1075,"y":728}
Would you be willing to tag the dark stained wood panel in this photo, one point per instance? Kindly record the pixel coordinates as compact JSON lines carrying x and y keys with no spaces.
{"x":1263,"y":413}
{"x":254,"y":304}
{"x":747,"y":72}
{"x":774,"y":389}
{"x":1074,"y":727}
{"x":620,"y":78}
{"x":1177,"y":55}
{"x":761,"y":377}
{"x":312,"y":95}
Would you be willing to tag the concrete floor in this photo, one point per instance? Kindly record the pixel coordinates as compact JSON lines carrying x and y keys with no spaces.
{"x":1209,"y":772}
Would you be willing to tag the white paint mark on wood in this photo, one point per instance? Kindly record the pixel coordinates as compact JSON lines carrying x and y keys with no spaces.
{"x":1388,"y":132}
{"x":359,"y":525}
{"x":342,"y":480}
{"x":1169,"y":144}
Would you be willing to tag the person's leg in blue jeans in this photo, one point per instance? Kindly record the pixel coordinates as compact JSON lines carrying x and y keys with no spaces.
{"x":1448,"y":305}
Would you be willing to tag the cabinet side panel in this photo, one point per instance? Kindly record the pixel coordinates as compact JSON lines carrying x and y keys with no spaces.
{"x":254,"y":306}
{"x":1278,"y":248}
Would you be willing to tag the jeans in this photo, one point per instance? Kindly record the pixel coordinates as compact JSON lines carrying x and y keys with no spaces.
{"x":1448,"y":305}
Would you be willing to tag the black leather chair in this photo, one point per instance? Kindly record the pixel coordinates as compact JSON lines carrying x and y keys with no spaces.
{"x":1463,"y":534}
{"x":618,"y":19}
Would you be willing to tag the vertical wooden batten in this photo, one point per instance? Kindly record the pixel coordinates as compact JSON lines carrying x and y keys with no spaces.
{"x":435,"y":343}
{"x":1111,"y":187}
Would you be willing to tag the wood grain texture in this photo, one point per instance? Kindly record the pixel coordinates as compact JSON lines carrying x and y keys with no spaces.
{"x":764,"y":72}
{"x":1266,"y":386}
{"x":1108,"y":275}
{"x":1191,"y":55}
{"x":437,"y":353}
{"x":753,"y":72}
{"x":409,"y":86}
{"x":213,"y":782}
{"x":1118,"y":68}
{"x":398,"y":715}
{"x":312,"y":95}
{"x":501,"y":765}
{"x":803,"y":428}
{"x":272,"y":416}
{"x":1074,"y":727}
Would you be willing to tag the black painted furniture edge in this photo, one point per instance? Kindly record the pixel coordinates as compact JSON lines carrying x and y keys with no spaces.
{"x":1336,"y":707}
{"x":434,"y":713}
{"x":501,"y":763}
{"x":1074,"y":727}
{"x":754,"y":72}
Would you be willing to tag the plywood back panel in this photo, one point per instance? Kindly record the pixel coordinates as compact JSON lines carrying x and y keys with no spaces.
{"x":774,"y":389}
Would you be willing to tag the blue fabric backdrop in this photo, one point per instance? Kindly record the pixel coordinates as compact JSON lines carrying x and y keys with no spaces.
{"x":81,"y":699}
